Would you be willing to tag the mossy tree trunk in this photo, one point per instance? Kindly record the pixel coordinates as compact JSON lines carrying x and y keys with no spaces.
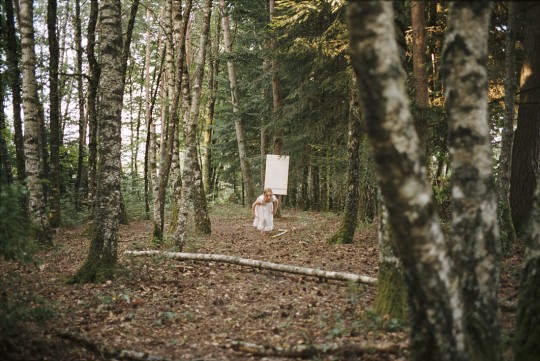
{"x":346,"y":231}
{"x":101,"y":260}
{"x":391,"y":297}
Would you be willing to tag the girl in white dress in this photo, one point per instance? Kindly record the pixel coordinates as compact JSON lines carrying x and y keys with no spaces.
{"x":264,"y":209}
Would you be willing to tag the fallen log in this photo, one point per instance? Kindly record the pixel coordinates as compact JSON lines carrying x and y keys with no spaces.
{"x":110,"y":353}
{"x":311,"y":351}
{"x":313,"y":272}
{"x":281,"y":233}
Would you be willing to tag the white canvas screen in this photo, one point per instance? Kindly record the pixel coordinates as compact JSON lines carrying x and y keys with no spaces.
{"x":276,"y":175}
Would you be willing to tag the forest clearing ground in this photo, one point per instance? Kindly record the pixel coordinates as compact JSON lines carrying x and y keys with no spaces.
{"x":194,"y":310}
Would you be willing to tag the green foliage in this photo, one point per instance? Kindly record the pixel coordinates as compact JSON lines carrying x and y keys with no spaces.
{"x":133,"y":194}
{"x":14,"y":241}
{"x":374,"y":321}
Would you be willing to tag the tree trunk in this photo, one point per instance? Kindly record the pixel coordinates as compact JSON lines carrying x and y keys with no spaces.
{"x":346,"y":232}
{"x":391,"y":300}
{"x":507,"y":232}
{"x":526,"y":149}
{"x":213,"y":70}
{"x":55,"y":215}
{"x":6,"y":174}
{"x":192,"y":188}
{"x":420,"y":78}
{"x":435,"y":307}
{"x":94,"y":74}
{"x":31,"y":106}
{"x":14,"y":78}
{"x":526,"y":346}
{"x":474,"y":205}
{"x":81,"y":168}
{"x":101,"y":260}
{"x":239,"y":128}
{"x":173,"y":85}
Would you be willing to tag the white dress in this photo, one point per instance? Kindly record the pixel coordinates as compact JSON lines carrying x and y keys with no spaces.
{"x":264,"y":214}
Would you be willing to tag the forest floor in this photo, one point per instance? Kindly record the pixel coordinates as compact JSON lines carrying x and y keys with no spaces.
{"x":163,"y":309}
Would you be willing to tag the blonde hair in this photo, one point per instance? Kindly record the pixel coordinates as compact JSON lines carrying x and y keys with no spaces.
{"x":266,"y":190}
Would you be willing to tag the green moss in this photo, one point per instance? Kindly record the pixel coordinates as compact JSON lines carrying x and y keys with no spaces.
{"x":157,"y":236}
{"x":342,"y":236}
{"x":391,"y":297}
{"x":93,"y":272}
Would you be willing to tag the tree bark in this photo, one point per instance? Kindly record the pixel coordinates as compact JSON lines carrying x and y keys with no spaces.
{"x":526,"y":346}
{"x":239,"y":128}
{"x":436,"y":323}
{"x":101,"y":260}
{"x":81,"y":168}
{"x":6,"y":174}
{"x":192,"y":187}
{"x":14,"y":78}
{"x":94,"y":74}
{"x":474,"y":207}
{"x":347,"y":229}
{"x":313,"y":272}
{"x":174,"y":73}
{"x":526,"y":149}
{"x":31,"y":106}
{"x":507,"y":232}
{"x":420,"y":78}
{"x":213,"y":70}
{"x":391,"y":299}
{"x":55,"y":215}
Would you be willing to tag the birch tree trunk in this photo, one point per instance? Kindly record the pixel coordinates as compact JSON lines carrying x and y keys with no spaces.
{"x":192,"y":188}
{"x":474,"y":206}
{"x":14,"y":78}
{"x":347,"y":229}
{"x":242,"y":154}
{"x":175,"y":35}
{"x":526,"y":346}
{"x":55,"y":215}
{"x":31,"y":107}
{"x":507,"y":232}
{"x":436,"y":323}
{"x":526,"y":149}
{"x":151,"y":147}
{"x":391,"y":300}
{"x":101,"y":260}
